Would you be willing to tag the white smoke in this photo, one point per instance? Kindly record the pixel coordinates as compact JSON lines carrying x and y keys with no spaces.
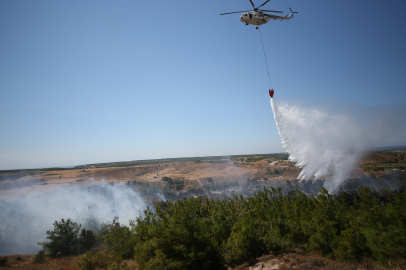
{"x":24,"y":221}
{"x":330,"y":145}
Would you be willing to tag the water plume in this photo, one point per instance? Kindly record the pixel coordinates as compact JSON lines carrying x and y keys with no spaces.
{"x":330,"y":145}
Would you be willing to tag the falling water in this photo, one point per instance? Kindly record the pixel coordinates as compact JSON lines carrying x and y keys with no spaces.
{"x":327,"y":145}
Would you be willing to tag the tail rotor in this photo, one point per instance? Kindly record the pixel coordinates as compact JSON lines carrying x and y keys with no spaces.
{"x":292,"y":12}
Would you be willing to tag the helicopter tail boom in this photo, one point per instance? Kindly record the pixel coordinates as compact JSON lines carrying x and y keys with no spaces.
{"x":289,"y":16}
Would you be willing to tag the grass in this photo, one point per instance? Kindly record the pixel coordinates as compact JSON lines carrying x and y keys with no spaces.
{"x":26,"y":262}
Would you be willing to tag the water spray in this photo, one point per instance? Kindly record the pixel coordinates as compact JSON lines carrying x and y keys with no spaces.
{"x":329,"y":146}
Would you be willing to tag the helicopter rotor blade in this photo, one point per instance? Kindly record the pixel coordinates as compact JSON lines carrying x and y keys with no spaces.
{"x":233,"y":12}
{"x":252,"y":4}
{"x":276,"y":11}
{"x":264,"y":3}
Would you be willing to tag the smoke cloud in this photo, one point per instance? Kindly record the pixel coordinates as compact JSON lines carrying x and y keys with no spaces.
{"x":324,"y":144}
{"x":24,"y":221}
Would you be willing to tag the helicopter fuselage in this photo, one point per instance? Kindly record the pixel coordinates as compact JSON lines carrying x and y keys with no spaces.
{"x":254,"y":18}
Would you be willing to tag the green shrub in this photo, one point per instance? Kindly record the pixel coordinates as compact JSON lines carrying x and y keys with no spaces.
{"x":167,"y":179}
{"x":86,"y":240}
{"x":66,"y":240}
{"x":119,"y":239}
{"x":244,"y":242}
{"x":386,"y":233}
{"x":179,"y":184}
{"x":40,"y":257}
{"x":177,"y":239}
{"x":96,"y":260}
{"x":202,"y":233}
{"x":148,"y":190}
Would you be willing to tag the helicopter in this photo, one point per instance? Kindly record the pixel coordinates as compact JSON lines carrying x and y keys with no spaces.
{"x":258,"y":17}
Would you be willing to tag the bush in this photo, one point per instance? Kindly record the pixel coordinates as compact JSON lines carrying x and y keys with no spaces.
{"x":244,"y":243}
{"x":175,"y":239}
{"x":118,"y":239}
{"x":179,"y":184}
{"x":3,"y":261}
{"x":40,"y":257}
{"x":167,"y":179}
{"x":86,"y":240}
{"x":386,"y":235}
{"x":64,"y":239}
{"x":96,"y":260}
{"x":148,"y":190}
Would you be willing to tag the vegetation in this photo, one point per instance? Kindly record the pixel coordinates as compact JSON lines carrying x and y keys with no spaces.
{"x":274,"y":171}
{"x":174,"y":184}
{"x":202,"y":233}
{"x":40,"y":257}
{"x":385,"y":166}
{"x":96,"y":260}
{"x":117,"y":238}
{"x":65,"y":239}
{"x":255,"y":159}
{"x":148,"y":191}
{"x":210,"y":185}
{"x":176,"y":239}
{"x":3,"y":261}
{"x":384,"y":159}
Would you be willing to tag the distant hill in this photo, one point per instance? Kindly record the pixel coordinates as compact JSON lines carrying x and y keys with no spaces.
{"x":281,"y":156}
{"x":390,"y":147}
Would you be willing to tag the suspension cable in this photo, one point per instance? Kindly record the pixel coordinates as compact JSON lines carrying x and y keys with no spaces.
{"x":266,"y":61}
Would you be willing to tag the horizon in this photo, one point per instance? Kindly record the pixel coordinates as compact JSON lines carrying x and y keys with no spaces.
{"x":400,"y":147}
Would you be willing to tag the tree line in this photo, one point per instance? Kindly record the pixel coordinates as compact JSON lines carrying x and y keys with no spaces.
{"x":203,"y":233}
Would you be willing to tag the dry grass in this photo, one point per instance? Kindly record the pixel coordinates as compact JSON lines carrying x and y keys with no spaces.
{"x":26,"y":262}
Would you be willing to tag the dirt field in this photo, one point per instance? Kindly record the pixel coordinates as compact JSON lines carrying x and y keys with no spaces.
{"x":17,"y":184}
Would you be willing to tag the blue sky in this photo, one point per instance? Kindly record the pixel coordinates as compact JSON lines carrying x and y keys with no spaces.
{"x":101,"y":81}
